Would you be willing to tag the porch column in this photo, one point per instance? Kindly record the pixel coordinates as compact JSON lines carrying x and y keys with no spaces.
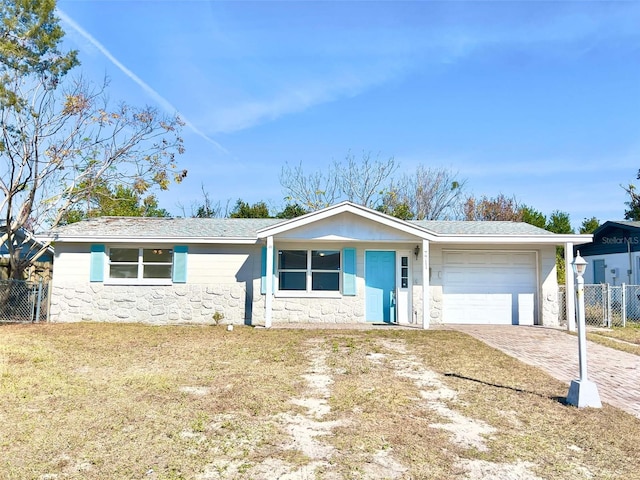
{"x":268,"y":299}
{"x":426,"y":312}
{"x":570,"y":291}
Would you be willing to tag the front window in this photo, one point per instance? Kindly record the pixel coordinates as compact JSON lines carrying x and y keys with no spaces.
{"x":140,"y":263}
{"x":309,"y":270}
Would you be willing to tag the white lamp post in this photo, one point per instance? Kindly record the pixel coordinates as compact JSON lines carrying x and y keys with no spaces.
{"x":582,"y":392}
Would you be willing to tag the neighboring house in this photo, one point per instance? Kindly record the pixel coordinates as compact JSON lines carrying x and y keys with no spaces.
{"x":614,"y":255}
{"x":342,"y":264}
{"x":26,"y":243}
{"x":27,"y":246}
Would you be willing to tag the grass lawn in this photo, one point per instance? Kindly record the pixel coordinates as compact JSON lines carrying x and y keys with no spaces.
{"x":108,"y":401}
{"x":626,"y":339}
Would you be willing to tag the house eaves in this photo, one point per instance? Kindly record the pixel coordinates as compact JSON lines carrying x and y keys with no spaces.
{"x":553,"y":239}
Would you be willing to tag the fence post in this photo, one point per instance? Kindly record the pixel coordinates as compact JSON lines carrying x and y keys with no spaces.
{"x":39,"y":300}
{"x":624,"y":305}
{"x":606,"y":303}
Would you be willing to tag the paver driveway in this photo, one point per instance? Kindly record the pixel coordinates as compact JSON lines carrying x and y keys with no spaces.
{"x":616,"y":373}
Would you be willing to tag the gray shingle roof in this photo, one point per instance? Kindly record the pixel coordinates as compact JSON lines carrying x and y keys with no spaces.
{"x":479,"y":228}
{"x":149,"y":227}
{"x":247,"y":228}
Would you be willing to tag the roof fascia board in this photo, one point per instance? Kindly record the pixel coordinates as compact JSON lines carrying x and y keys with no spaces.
{"x":346,"y":207}
{"x":517,"y":239}
{"x":614,"y":224}
{"x":150,"y":240}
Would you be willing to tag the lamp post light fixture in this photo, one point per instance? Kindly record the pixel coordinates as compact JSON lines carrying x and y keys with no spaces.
{"x":582,"y":392}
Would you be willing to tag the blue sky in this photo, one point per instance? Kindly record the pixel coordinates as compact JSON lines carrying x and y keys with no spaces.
{"x":535,"y":99}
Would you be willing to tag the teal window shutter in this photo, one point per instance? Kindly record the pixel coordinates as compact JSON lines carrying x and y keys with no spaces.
{"x":96,"y":270}
{"x":180,"y":264}
{"x":263,"y":272}
{"x":349,"y":271}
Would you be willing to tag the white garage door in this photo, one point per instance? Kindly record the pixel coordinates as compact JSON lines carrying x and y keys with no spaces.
{"x":489,"y":287}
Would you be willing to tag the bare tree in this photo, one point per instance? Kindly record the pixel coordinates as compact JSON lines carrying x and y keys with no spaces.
{"x":59,"y":140}
{"x":360,"y":181}
{"x":363,"y":181}
{"x":500,"y":208}
{"x":313,"y":191}
{"x":426,"y":194}
{"x":207,"y":209}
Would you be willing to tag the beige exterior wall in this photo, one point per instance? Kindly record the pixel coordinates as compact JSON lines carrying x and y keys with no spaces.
{"x":219,"y":279}
{"x":227,"y":279}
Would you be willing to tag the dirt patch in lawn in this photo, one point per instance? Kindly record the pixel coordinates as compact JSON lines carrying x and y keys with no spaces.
{"x":89,"y":401}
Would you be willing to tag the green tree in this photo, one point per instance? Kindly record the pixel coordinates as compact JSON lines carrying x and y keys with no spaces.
{"x":633,"y":212}
{"x":30,"y":36}
{"x":59,"y":139}
{"x":394,"y":208}
{"x":533,"y":217}
{"x":589,"y":225}
{"x":244,"y":210}
{"x":292,"y":211}
{"x":121,"y":201}
{"x":207,"y":209}
{"x":559,"y":222}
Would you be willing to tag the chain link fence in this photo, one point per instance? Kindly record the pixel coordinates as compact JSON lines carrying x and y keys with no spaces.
{"x":606,"y":305}
{"x":23,"y":301}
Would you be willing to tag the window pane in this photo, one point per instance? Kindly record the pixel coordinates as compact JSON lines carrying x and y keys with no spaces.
{"x":405,"y":261}
{"x":405,"y":272}
{"x":123,"y":254}
{"x":325,"y":281}
{"x":157,"y":271}
{"x":293,"y":281}
{"x":155,"y":255}
{"x":292,"y":259}
{"x":123,"y":271}
{"x":325,"y":260}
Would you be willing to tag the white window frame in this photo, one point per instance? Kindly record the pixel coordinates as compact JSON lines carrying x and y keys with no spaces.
{"x":308,"y":291}
{"x":139,"y":280}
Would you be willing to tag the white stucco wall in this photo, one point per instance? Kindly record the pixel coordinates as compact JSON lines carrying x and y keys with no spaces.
{"x":621,"y":263}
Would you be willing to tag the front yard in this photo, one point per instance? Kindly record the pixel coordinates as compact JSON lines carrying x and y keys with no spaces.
{"x":626,"y":339}
{"x":96,"y":401}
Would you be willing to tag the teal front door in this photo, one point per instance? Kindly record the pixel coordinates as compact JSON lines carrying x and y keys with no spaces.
{"x":380,"y":286}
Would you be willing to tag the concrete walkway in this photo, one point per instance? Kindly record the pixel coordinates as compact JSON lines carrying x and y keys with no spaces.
{"x":616,"y":373}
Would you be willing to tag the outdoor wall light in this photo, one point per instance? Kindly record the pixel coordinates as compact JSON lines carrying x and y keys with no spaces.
{"x":579,"y":265}
{"x":416,"y":251}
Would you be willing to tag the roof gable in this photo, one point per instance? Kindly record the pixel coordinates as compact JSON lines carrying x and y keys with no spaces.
{"x":345,"y":226}
{"x":351,"y":222}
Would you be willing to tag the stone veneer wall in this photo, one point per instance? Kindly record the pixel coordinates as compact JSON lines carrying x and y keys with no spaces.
{"x":192,"y":304}
{"x":176,"y":304}
{"x":310,"y":310}
{"x":318,"y":310}
{"x":550,"y":307}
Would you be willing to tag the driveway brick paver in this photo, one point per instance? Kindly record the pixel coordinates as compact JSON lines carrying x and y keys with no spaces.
{"x":616,"y":373}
